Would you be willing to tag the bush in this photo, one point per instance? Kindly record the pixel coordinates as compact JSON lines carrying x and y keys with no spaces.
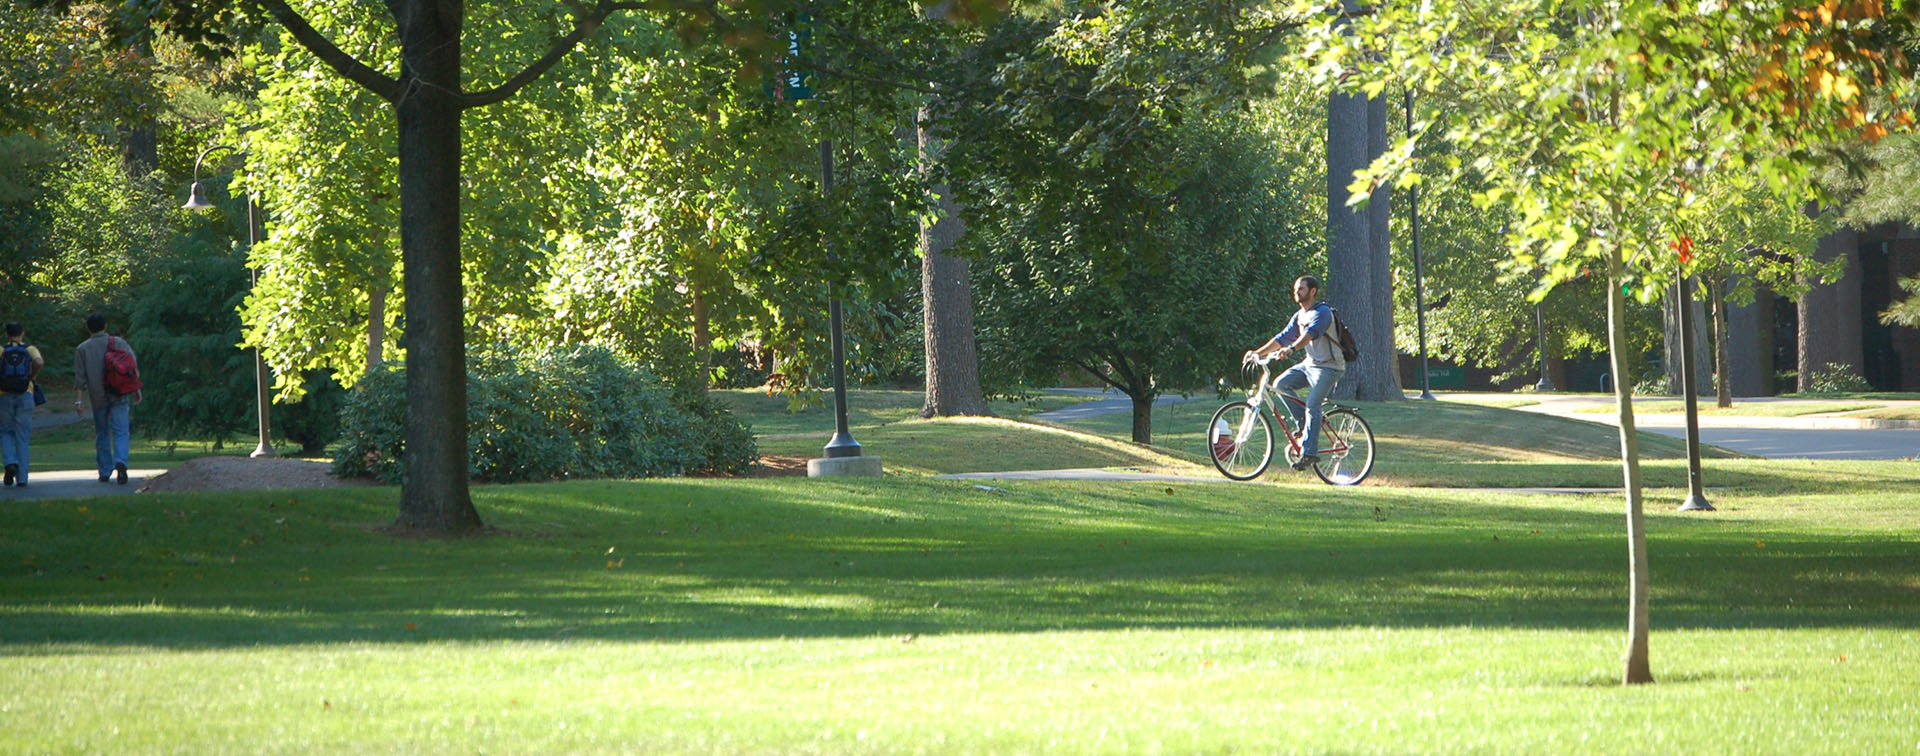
{"x":1836,"y":378}
{"x":572,"y":412}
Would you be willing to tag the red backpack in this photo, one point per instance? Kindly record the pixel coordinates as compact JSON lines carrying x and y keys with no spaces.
{"x":122,"y":373}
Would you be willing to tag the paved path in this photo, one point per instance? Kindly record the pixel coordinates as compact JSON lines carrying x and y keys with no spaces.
{"x":1798,"y":437}
{"x":1110,"y":402}
{"x":63,"y":484}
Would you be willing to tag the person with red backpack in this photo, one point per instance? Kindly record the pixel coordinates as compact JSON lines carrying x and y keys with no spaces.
{"x":20,"y":363}
{"x":107,"y":376}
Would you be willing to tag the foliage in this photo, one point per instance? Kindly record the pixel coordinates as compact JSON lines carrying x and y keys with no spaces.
{"x":1198,"y":286}
{"x":1836,"y":379}
{"x":546,"y":415}
{"x":185,"y":312}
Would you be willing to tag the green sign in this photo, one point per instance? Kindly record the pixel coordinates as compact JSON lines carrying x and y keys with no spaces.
{"x":1448,"y":377}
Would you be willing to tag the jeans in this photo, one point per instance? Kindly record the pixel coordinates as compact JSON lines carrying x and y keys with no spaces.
{"x":16,"y":426}
{"x":111,"y":434}
{"x":1319,"y":382}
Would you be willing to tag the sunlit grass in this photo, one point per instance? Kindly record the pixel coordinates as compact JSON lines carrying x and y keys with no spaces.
{"x":1706,"y":408}
{"x":908,"y":615}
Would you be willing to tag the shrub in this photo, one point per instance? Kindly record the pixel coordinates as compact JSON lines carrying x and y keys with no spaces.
{"x":572,"y":412}
{"x":1836,"y":378}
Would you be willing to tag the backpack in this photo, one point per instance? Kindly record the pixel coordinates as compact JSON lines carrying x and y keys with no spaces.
{"x":1348,"y":350}
{"x":121,"y":372}
{"x":16,"y":369}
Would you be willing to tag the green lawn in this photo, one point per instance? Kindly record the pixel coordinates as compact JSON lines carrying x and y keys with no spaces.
{"x":1890,"y":413}
{"x":908,"y":615}
{"x":70,"y":447}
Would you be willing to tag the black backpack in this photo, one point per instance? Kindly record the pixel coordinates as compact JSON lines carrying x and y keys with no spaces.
{"x":1348,"y":350}
{"x":16,"y":369}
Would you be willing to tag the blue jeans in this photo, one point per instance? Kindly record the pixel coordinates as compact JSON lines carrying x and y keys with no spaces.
{"x":16,"y":426}
{"x":1318,"y":382}
{"x":111,"y":434}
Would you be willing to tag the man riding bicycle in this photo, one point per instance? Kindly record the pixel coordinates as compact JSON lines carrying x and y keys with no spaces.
{"x":1310,"y":329}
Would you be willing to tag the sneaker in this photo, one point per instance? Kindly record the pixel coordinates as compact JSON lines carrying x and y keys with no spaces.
{"x":104,"y":477}
{"x":11,"y":469}
{"x":120,"y":474}
{"x":1307,"y":461}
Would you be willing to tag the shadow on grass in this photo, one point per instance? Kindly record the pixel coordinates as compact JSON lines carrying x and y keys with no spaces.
{"x":717,"y":560}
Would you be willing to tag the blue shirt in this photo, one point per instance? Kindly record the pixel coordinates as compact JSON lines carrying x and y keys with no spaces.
{"x":1317,"y":323}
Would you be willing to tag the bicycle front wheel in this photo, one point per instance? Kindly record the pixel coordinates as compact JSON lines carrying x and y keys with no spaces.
{"x":1346,"y":448}
{"x":1240,"y":441}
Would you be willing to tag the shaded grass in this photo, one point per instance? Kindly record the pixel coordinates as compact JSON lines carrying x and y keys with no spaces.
{"x":70,"y":447}
{"x":925,"y":616}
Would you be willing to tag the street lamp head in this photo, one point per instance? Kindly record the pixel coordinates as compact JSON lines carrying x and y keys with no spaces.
{"x":197,"y":198}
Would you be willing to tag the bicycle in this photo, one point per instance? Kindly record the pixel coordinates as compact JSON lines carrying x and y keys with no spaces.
{"x":1240,"y":436}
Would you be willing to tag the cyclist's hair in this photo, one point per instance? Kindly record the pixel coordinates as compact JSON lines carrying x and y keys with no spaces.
{"x":1311,"y":282}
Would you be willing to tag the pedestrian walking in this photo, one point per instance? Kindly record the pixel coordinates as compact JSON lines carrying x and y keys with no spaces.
{"x":106,"y":376}
{"x":20,"y":364}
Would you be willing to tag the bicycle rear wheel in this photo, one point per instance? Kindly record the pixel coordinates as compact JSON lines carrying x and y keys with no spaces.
{"x":1346,"y":448}
{"x":1240,"y":441}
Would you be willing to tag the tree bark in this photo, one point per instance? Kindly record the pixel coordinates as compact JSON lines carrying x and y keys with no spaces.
{"x":1350,"y":256}
{"x":1830,"y":313}
{"x":953,"y":362}
{"x":1143,"y":417}
{"x":946,"y":293}
{"x":1749,"y":359}
{"x":1717,"y":296}
{"x":1380,"y":347}
{"x":376,"y":326}
{"x":434,"y":495}
{"x":1638,"y":668}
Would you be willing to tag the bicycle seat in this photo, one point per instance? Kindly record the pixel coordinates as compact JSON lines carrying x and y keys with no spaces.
{"x":1331,"y":406}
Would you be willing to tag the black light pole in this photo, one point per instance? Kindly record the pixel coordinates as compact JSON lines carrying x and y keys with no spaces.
{"x":842,"y":443}
{"x":197,"y":200}
{"x":1419,"y":277}
{"x":1696,"y":494}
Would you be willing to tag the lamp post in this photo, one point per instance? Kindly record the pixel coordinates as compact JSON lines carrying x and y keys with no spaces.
{"x":842,"y":443}
{"x":197,"y":200}
{"x":1696,"y":494}
{"x":1419,"y":277}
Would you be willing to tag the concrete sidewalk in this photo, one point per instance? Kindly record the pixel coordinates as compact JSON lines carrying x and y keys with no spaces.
{"x":1570,"y":406}
{"x":69,"y":484}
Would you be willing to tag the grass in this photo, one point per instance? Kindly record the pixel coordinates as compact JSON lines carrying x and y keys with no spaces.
{"x":1890,"y":413}
{"x":70,"y":447}
{"x":1490,"y":400}
{"x":1739,"y":409}
{"x":908,"y":615}
{"x":1449,"y":444}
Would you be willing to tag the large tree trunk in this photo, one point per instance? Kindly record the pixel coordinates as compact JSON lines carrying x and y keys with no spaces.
{"x":1830,"y":313}
{"x":433,"y":495}
{"x":1350,"y":257}
{"x":953,"y":364}
{"x":1749,"y":361}
{"x":1380,"y":345}
{"x":946,"y":294}
{"x":1638,"y":668}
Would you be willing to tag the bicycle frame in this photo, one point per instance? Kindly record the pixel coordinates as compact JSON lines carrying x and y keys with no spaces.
{"x":1262,"y":396}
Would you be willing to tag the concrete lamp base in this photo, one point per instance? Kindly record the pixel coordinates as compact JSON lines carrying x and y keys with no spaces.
{"x":844,"y":467}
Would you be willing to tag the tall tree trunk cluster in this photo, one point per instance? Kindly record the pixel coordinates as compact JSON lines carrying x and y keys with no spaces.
{"x":1359,"y":275}
{"x":946,"y":297}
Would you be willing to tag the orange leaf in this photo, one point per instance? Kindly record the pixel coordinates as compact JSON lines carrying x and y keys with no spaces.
{"x":411,"y":626}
